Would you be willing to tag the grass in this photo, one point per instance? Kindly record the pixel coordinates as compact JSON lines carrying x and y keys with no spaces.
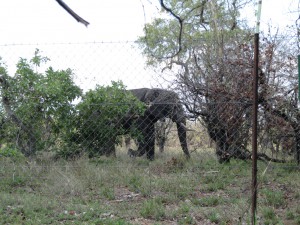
{"x":273,"y":198}
{"x":153,"y":209}
{"x":135,"y":191}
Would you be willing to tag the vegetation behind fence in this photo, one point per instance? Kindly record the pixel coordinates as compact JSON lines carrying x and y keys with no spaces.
{"x":152,"y":131}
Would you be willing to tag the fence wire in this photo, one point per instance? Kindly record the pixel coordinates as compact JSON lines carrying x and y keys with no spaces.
{"x":126,"y":142}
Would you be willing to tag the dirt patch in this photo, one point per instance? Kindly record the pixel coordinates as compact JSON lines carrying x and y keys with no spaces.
{"x":124,"y":194}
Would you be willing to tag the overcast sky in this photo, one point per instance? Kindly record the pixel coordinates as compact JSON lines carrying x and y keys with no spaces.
{"x":38,"y":22}
{"x":30,"y":21}
{"x":45,"y":21}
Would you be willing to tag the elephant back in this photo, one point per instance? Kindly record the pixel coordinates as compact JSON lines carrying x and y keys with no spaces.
{"x":164,"y":104}
{"x":140,"y":93}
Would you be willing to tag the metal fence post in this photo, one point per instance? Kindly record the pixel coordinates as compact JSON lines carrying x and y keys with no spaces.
{"x":299,"y":78}
{"x":254,"y":129}
{"x":298,"y":104}
{"x":255,"y":112}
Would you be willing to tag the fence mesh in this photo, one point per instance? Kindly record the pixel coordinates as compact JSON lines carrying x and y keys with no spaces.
{"x":102,"y":130}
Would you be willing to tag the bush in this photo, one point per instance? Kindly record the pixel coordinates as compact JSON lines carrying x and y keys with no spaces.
{"x":11,"y":153}
{"x":36,"y":106}
{"x":100,"y":118}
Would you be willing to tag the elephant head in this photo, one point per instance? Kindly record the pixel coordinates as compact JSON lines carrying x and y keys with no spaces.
{"x":161,"y":104}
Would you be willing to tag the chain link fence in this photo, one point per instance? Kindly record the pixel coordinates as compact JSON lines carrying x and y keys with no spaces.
{"x":108,"y":131}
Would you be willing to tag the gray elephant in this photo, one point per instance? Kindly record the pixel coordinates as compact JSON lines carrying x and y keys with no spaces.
{"x":161,"y":104}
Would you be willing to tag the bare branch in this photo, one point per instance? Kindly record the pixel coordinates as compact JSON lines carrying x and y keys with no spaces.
{"x":72,"y":13}
{"x":180,"y":30}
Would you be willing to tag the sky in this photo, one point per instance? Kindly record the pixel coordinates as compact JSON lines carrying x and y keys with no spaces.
{"x":45,"y":21}
{"x":114,"y":24}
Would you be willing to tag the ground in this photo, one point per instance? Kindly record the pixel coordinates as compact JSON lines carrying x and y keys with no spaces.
{"x":169,"y":190}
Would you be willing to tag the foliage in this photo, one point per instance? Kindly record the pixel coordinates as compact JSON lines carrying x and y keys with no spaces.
{"x":212,"y":64}
{"x":204,"y":23}
{"x":278,"y":95}
{"x":36,"y":106}
{"x":211,"y":67}
{"x":38,"y":112}
{"x":11,"y":153}
{"x":100,"y":118}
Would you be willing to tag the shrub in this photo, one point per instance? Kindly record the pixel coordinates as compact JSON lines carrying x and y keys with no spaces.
{"x":100,"y":116}
{"x":38,"y":104}
{"x":11,"y":153}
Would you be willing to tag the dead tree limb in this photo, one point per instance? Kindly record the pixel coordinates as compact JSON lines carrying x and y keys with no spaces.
{"x":72,"y":13}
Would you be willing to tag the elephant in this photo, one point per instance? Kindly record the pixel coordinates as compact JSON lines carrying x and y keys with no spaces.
{"x":161,"y":103}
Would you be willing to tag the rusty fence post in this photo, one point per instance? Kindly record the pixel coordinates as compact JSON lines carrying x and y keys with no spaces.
{"x":254,"y":129}
{"x":255,"y":116}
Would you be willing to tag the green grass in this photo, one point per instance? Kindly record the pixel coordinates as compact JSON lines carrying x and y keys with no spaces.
{"x":153,"y":209}
{"x":135,"y":191}
{"x":214,"y":217}
{"x":209,"y":201}
{"x":273,"y":198}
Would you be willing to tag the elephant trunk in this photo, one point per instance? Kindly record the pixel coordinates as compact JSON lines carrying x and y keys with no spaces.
{"x":181,"y":128}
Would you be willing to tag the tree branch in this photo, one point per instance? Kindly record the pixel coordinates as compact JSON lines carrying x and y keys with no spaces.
{"x":180,"y":30}
{"x":72,"y":13}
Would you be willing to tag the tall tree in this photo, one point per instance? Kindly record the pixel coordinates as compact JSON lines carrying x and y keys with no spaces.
{"x":278,"y":94}
{"x":209,"y":51}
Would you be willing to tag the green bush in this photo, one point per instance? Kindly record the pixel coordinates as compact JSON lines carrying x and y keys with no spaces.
{"x":100,"y":117}
{"x":36,"y":105}
{"x":38,"y":111}
{"x":11,"y":153}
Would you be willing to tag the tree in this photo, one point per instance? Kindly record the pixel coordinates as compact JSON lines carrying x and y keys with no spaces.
{"x":278,"y":94}
{"x":209,"y":51}
{"x":35,"y":107}
{"x":207,"y":67}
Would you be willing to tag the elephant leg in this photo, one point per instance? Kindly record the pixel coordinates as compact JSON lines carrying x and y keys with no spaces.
{"x":140,"y":152}
{"x":147,"y":143}
{"x":182,"y":138}
{"x":150,"y":144}
{"x":222,"y":150}
{"x":127,"y":142}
